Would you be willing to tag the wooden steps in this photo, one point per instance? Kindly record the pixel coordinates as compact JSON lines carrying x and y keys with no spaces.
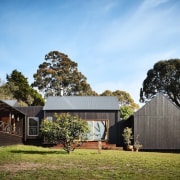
{"x":94,"y":145}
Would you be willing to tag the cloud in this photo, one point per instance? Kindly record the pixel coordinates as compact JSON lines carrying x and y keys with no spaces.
{"x":138,"y":29}
{"x":149,"y":4}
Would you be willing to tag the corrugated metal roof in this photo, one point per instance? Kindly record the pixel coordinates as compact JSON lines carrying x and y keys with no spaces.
{"x":11,"y":102}
{"x":4,"y":106}
{"x":81,"y":103}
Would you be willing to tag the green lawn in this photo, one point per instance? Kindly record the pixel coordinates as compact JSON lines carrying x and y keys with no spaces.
{"x":28,"y":162}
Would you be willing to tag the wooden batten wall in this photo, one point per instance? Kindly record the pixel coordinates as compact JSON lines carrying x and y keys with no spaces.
{"x":31,"y":111}
{"x":9,"y":139}
{"x":112,"y":116}
{"x":158,"y":125}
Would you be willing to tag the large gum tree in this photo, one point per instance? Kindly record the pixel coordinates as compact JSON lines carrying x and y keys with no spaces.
{"x":163,"y":78}
{"x":59,"y":71}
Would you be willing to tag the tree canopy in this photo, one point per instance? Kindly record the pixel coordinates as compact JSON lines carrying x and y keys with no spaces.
{"x":164,"y":78}
{"x":126,"y":102}
{"x":59,"y":71}
{"x":5,"y":92}
{"x":18,"y":86}
{"x":66,"y":129}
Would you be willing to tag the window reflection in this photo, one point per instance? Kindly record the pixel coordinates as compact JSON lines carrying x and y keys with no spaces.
{"x":98,"y":130}
{"x":33,"y":126}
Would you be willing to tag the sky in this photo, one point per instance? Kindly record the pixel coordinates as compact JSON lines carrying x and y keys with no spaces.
{"x":114,"y":42}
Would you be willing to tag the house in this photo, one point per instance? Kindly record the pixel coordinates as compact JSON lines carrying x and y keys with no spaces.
{"x":101,"y":113}
{"x":157,"y":124}
{"x":12,"y":123}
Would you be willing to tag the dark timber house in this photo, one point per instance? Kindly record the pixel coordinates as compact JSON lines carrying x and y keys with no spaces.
{"x":101,"y":113}
{"x":158,"y":124}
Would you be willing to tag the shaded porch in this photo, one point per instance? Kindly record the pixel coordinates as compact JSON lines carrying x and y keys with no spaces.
{"x":12,"y":120}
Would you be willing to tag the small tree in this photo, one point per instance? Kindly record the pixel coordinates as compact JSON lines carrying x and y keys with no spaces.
{"x":137,"y":144}
{"x":127,"y":135}
{"x":68,"y":130}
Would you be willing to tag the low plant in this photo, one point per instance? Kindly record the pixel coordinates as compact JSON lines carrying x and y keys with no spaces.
{"x":127,"y":136}
{"x":137,"y":144}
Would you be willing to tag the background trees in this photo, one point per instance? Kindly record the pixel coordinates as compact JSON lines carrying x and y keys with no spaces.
{"x":66,"y":129}
{"x":59,"y":71}
{"x":56,"y":72}
{"x":164,"y":77}
{"x":17,"y":87}
{"x":5,"y":92}
{"x":126,"y":102}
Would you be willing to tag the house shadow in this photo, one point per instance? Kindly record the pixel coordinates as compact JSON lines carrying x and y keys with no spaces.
{"x":121,"y":125}
{"x":37,"y":152}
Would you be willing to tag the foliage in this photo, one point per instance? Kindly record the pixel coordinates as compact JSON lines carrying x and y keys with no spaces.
{"x":124,"y":98}
{"x":126,"y":102}
{"x":127,"y":135}
{"x":58,"y":71}
{"x":37,"y":98}
{"x":5,"y":92}
{"x":137,"y":144}
{"x":32,"y":162}
{"x":18,"y":86}
{"x":126,"y":112}
{"x":163,"y":78}
{"x":66,"y":129}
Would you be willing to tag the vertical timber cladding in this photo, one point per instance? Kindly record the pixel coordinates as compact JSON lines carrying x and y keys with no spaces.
{"x":31,"y":111}
{"x":111,"y":116}
{"x":158,"y":124}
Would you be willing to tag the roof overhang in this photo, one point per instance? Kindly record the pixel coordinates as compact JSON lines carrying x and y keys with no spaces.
{"x":4,"y":107}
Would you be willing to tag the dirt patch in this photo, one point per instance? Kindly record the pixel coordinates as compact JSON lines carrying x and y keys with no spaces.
{"x":24,"y":167}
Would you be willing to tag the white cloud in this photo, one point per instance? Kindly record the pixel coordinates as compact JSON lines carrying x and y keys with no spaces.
{"x":140,"y":28}
{"x":148,"y":4}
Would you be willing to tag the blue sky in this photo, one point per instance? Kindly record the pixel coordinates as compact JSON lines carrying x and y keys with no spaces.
{"x":114,"y":42}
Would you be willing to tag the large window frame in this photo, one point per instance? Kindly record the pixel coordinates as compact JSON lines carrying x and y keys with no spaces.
{"x":99,"y":130}
{"x":33,"y":127}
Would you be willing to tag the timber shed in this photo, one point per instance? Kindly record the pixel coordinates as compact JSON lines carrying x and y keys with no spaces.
{"x":157,"y":124}
{"x":101,"y":113}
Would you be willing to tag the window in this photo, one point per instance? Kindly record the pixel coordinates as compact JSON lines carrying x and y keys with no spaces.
{"x":98,"y":130}
{"x":49,"y":118}
{"x":33,"y":126}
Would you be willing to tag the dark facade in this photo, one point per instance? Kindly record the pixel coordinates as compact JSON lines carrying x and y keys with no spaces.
{"x":111,"y":117}
{"x":158,"y":124}
{"x":32,"y":112}
{"x":99,"y":112}
{"x":12,"y":124}
{"x":15,"y":121}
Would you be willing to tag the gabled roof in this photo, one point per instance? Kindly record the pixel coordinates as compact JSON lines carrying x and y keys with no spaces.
{"x":8,"y":107}
{"x":159,"y":101}
{"x":81,"y":103}
{"x":11,"y":102}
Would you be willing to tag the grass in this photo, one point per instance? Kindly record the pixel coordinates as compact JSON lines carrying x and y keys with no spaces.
{"x":28,"y":162}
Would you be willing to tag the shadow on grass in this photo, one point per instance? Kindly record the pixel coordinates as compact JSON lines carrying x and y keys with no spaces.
{"x":37,"y":152}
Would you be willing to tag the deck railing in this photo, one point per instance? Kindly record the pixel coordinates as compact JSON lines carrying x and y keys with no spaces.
{"x":7,"y":128}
